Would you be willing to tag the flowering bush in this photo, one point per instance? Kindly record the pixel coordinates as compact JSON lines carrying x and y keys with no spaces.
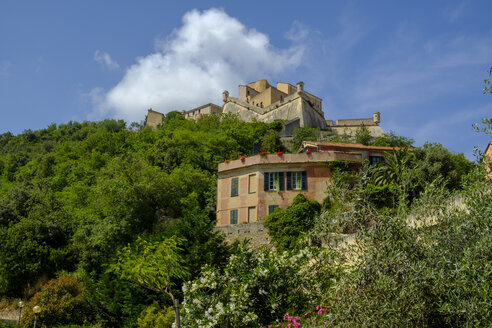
{"x":263,"y":153}
{"x":280,"y":153}
{"x":318,"y":317}
{"x":256,"y":287}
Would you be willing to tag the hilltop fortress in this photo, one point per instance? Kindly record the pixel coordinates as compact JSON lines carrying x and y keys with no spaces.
{"x":292,"y":104}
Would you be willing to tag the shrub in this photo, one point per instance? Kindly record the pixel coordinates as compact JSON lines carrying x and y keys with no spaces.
{"x":257,"y":287}
{"x":362,"y":135}
{"x":303,"y":134}
{"x":155,"y":317}
{"x":380,"y":196}
{"x":62,"y":302}
{"x":285,"y":226}
{"x":430,"y":269}
{"x":7,"y":325}
{"x":271,"y":142}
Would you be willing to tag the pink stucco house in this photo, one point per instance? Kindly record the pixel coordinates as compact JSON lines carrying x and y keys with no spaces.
{"x":250,"y":188}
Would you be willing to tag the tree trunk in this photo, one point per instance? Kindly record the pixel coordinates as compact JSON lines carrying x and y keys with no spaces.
{"x":176,"y":313}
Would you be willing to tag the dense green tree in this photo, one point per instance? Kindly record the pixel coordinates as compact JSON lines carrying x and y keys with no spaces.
{"x":363,"y":136}
{"x":435,"y":161}
{"x":32,"y":248}
{"x":153,"y":266}
{"x":304,"y":134}
{"x":200,"y":244}
{"x":392,"y":140}
{"x":271,"y":142}
{"x":286,"y":226}
{"x":83,"y":190}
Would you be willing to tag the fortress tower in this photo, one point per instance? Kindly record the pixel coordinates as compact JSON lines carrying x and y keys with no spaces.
{"x":265,"y":103}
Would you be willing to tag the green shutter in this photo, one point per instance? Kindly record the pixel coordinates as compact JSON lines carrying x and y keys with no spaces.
{"x":271,"y":208}
{"x":234,"y":187}
{"x":266,"y":181}
{"x":233,"y":217}
{"x":304,"y":180}
{"x":289,"y":180}
{"x":281,"y":180}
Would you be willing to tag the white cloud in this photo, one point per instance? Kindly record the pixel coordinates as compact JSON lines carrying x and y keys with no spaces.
{"x":298,"y":32}
{"x":209,"y":53}
{"x":104,"y":59}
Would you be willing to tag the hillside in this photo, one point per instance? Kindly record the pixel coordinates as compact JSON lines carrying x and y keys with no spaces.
{"x":84,"y":206}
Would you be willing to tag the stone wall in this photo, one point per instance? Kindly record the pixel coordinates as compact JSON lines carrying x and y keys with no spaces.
{"x":153,"y":118}
{"x":208,"y":109}
{"x":243,"y":228}
{"x":286,"y":88}
{"x":290,"y":108}
{"x":374,"y":130}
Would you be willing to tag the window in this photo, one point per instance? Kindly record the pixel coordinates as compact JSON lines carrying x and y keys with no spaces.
{"x":297,"y":180}
{"x":373,"y":160}
{"x":274,"y":181}
{"x":252,"y":214}
{"x":271,"y":208}
{"x":252,"y":184}
{"x":233,"y":217}
{"x":234,"y":187}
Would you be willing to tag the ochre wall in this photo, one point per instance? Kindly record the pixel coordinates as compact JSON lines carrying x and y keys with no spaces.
{"x":208,"y":109}
{"x":317,"y":172}
{"x":292,"y":107}
{"x":260,"y":85}
{"x":317,"y":179}
{"x":286,"y":88}
{"x":267,"y":97}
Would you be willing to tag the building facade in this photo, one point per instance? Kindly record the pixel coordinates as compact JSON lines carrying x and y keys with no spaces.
{"x":263,"y":102}
{"x":250,"y":188}
{"x":196,"y":113}
{"x":153,"y":118}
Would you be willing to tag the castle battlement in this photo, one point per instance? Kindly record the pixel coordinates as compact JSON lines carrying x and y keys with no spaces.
{"x":263,"y":102}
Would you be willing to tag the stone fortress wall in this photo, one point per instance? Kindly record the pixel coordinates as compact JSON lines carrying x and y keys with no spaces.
{"x":196,"y":113}
{"x":265,"y":103}
{"x":153,"y":118}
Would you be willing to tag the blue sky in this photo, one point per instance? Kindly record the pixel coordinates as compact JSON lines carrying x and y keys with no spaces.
{"x":420,"y":63}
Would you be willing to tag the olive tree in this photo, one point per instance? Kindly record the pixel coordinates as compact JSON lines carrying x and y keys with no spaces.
{"x":152,"y":265}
